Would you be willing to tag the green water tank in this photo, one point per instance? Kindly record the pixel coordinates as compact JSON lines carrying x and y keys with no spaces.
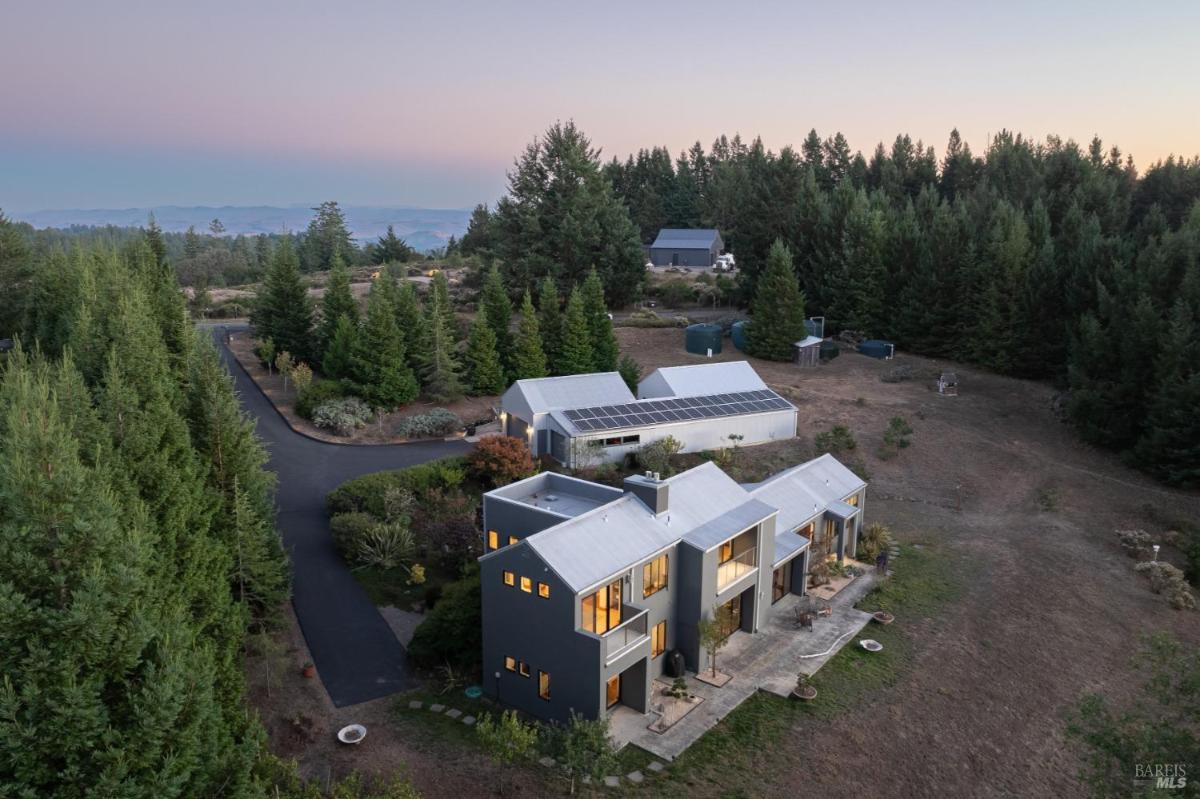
{"x":737,"y":334}
{"x":701,"y":338}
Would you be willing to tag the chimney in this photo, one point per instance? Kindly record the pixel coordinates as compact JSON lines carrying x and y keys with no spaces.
{"x":650,"y":490}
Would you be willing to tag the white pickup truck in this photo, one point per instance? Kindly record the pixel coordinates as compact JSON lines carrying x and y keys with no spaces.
{"x":725,"y":263}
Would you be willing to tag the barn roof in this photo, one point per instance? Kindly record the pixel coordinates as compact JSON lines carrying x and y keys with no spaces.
{"x":699,"y":379}
{"x":686,"y":239}
{"x":543,"y":394}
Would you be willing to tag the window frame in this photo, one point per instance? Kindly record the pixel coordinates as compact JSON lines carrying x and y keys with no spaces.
{"x":610,"y":612}
{"x":658,"y":633}
{"x":544,"y":685}
{"x":527,"y":584}
{"x":493,"y":540}
{"x":523,"y":669}
{"x":509,"y":577}
{"x":543,"y":590}
{"x":512,"y":539}
{"x":510,"y":663}
{"x":661,"y":566}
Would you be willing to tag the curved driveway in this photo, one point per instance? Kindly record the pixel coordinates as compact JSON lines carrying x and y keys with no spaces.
{"x":353,"y":648}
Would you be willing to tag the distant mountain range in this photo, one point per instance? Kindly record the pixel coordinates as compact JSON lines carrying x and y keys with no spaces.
{"x":422,"y":228}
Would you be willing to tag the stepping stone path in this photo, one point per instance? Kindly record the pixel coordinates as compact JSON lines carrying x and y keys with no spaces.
{"x":453,"y":712}
{"x":468,"y":720}
{"x":547,"y":761}
{"x":414,"y":705}
{"x":635,"y":777}
{"x":437,"y":708}
{"x":612,"y":782}
{"x":656,"y":767}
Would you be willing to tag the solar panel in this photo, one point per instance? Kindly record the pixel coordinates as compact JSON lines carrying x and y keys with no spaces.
{"x":584,"y":424}
{"x":672,"y":416}
{"x":573,"y":415}
{"x":706,"y":401}
{"x":608,"y":410}
{"x":707,"y":411}
{"x":693,"y":413}
{"x":673,"y":404}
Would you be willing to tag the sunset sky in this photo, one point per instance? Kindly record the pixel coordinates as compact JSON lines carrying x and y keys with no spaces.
{"x":127,"y":103}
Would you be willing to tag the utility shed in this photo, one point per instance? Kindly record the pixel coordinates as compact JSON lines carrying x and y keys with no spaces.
{"x":808,"y":351}
{"x":685,"y":247}
{"x":701,"y":378}
{"x":525,"y":407}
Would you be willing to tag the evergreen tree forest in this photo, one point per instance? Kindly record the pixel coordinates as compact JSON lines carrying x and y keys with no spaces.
{"x":1041,"y":260}
{"x":137,"y":543}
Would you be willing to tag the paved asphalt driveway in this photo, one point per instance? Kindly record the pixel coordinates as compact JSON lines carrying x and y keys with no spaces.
{"x":353,"y":648}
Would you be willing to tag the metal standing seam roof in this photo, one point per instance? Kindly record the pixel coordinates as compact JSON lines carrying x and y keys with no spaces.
{"x":701,"y":378}
{"x":805,"y":491}
{"x":545,"y":394}
{"x":711,"y":533}
{"x":685,"y":239}
{"x":788,"y":543}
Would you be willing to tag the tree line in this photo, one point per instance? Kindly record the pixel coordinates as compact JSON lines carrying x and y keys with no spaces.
{"x":1041,"y":260}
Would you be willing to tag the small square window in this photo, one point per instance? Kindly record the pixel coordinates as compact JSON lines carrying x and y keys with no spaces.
{"x":509,"y":578}
{"x":512,"y":539}
{"x":543,"y":590}
{"x":524,"y":667}
{"x":527,"y":585}
{"x":510,"y":663}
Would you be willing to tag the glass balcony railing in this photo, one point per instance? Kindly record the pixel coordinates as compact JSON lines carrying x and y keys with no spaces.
{"x":624,"y":636}
{"x":736,"y":568}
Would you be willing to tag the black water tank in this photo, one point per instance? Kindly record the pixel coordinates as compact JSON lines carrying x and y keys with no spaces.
{"x":674,"y":666}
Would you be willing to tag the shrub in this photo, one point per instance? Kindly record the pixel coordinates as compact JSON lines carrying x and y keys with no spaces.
{"x":656,"y":456}
{"x":676,"y":293}
{"x":385,"y":545}
{"x":342,"y":416}
{"x":317,"y":393}
{"x":835,"y":440}
{"x":500,"y":460}
{"x":1167,"y":580}
{"x":895,"y":438}
{"x":450,"y":633}
{"x":367,"y":493}
{"x":438,"y":422}
{"x":875,"y":540}
{"x":1136,"y":543}
{"x":456,"y":540}
{"x":348,"y":528}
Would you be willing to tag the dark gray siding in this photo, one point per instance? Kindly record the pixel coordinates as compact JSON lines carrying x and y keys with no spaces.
{"x":662,"y":256}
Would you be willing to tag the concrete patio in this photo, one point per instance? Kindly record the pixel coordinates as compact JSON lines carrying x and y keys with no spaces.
{"x":768,"y":660}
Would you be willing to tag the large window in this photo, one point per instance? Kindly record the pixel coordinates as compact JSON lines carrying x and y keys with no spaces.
{"x":543,"y":685}
{"x":602,"y":610}
{"x":493,"y":539}
{"x":726,"y":551}
{"x":658,"y":639}
{"x":654,"y":576}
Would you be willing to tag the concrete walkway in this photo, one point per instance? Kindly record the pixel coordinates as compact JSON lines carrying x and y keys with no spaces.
{"x":768,"y":660}
{"x":354,"y":649}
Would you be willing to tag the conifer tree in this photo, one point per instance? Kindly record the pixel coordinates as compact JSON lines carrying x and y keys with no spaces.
{"x":1170,"y":446}
{"x":777,"y":314}
{"x":529,"y":359}
{"x":440,"y":370}
{"x":604,"y":340}
{"x":483,"y":362}
{"x":337,"y":302}
{"x":283,"y":312}
{"x":494,"y":299}
{"x":337,"y":363}
{"x":409,"y":322}
{"x":576,"y":355}
{"x":379,"y":372}
{"x":549,"y":316}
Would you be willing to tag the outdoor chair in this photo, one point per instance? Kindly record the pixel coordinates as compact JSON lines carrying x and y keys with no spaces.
{"x":804,"y":618}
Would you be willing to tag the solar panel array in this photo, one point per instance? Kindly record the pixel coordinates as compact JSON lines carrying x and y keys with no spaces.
{"x":674,"y":409}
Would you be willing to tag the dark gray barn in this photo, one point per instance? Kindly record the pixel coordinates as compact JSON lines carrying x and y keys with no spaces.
{"x":679,"y":247}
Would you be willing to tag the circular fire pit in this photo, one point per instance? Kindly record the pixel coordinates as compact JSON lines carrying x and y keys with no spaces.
{"x":871,"y":645}
{"x":352,"y":734}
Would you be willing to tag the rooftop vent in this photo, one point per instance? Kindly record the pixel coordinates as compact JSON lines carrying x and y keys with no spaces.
{"x":551,"y":497}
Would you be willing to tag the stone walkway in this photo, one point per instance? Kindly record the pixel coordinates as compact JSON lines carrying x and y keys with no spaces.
{"x":768,"y":660}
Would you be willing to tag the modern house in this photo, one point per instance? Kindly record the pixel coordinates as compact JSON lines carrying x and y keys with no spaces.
{"x":682,"y":247}
{"x":586,"y":587}
{"x":594,"y":418}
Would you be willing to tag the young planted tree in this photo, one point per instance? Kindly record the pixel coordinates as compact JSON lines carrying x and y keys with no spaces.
{"x":630,"y":370}
{"x":378,"y":370}
{"x":529,"y":359}
{"x":588,"y":750}
{"x":507,"y":740}
{"x":604,"y":340}
{"x":440,"y":370}
{"x":337,"y":302}
{"x":714,"y":631}
{"x":409,"y":322}
{"x":575,"y":354}
{"x":549,"y":316}
{"x":337,"y":361}
{"x":778,"y":309}
{"x":282,"y":311}
{"x":483,"y":362}
{"x":493,"y":299}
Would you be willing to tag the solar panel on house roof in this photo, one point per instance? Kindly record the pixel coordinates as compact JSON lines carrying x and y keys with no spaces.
{"x":674,"y":409}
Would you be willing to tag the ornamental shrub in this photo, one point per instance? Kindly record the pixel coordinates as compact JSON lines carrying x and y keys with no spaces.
{"x":437,"y":423}
{"x":317,"y":393}
{"x":500,"y":460}
{"x":342,"y":416}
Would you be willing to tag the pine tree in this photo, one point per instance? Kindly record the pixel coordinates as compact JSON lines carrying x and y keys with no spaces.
{"x":154,"y":238}
{"x":576,"y":355}
{"x":604,"y":340}
{"x":778,"y":309}
{"x":493,"y":298}
{"x":283,"y":312}
{"x":392,"y":249}
{"x":379,"y":371}
{"x":440,"y":369}
{"x":191,"y":243}
{"x":631,"y":371}
{"x":1170,"y":448}
{"x":327,"y":236}
{"x":409,"y":322}
{"x":17,"y":277}
{"x":337,"y":363}
{"x":337,"y":302}
{"x":483,"y":362}
{"x":549,"y":316}
{"x":529,"y":359}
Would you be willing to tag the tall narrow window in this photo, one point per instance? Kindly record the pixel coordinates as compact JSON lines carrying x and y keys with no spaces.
{"x":509,"y":577}
{"x":493,"y":539}
{"x":658,"y":639}
{"x":543,"y":685}
{"x":726,"y":552}
{"x":654,"y":576}
{"x":601,"y":611}
{"x":527,"y":585}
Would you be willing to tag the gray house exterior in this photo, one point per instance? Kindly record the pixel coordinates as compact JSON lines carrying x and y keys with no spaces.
{"x":586,"y":587}
{"x":683,"y":247}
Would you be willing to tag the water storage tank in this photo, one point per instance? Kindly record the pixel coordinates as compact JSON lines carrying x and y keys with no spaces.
{"x":737,"y":334}
{"x":876,"y":348}
{"x":829,"y":350}
{"x":702,"y":338}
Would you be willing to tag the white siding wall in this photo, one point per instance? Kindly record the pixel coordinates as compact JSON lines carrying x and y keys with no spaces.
{"x":701,"y":434}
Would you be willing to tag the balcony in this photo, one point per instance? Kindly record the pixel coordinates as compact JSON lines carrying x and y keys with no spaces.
{"x":625,"y":636}
{"x":736,"y":568}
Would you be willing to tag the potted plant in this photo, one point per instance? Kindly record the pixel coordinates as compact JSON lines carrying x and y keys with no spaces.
{"x":883,"y":617}
{"x":803,"y":690}
{"x":309,"y":671}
